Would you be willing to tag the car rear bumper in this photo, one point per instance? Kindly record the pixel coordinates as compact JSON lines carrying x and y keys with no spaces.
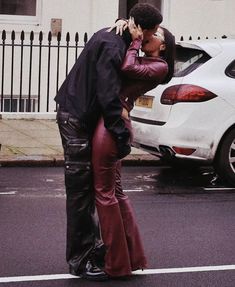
{"x":199,"y":127}
{"x":163,"y":140}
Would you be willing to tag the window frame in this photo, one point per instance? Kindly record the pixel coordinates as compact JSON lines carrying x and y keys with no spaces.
{"x":229,"y":72}
{"x":23,"y":19}
{"x":124,"y":7}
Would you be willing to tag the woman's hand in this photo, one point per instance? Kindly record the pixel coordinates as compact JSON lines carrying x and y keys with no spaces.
{"x":135,"y":31}
{"x":120,"y":26}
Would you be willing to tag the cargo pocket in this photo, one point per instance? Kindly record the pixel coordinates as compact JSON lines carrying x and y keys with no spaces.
{"x":78,"y":149}
{"x":78,"y":157}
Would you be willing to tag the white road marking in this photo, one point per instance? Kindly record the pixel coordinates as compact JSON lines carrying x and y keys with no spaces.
{"x":185,"y":269}
{"x":36,"y":278}
{"x":8,"y":193}
{"x":139,"y":272}
{"x":133,"y":190}
{"x":219,"y":188}
{"x":60,"y":189}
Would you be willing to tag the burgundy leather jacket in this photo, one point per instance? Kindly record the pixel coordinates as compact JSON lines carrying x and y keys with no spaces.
{"x":141,"y":74}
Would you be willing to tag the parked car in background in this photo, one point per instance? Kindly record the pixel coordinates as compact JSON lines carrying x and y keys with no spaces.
{"x":193,"y":116}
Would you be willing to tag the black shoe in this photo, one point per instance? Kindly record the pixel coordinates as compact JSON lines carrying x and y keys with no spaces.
{"x":73,"y":272}
{"x":94,"y":273}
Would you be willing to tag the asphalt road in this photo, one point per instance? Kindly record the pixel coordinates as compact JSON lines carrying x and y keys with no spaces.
{"x":185,"y":222}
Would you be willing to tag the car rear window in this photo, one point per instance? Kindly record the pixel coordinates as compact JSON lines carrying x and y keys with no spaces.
{"x":188,"y":60}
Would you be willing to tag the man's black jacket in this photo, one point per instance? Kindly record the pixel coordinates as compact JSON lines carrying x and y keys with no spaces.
{"x":92,"y":88}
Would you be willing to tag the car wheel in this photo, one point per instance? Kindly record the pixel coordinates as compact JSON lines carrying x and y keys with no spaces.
{"x":225,"y":158}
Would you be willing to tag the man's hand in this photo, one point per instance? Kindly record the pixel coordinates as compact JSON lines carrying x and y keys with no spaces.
{"x":123,"y":144}
{"x":135,"y":31}
{"x":123,"y":149}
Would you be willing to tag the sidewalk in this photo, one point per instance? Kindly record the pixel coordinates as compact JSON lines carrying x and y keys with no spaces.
{"x":33,"y":140}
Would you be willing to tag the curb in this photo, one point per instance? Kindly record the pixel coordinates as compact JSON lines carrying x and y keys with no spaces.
{"x":54,"y":160}
{"x":27,"y":116}
{"x":58,"y":161}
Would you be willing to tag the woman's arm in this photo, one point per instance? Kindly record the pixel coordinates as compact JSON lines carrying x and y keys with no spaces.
{"x":151,"y":69}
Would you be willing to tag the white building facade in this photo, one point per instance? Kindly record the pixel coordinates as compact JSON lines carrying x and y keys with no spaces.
{"x":204,"y":18}
{"x":36,"y":73}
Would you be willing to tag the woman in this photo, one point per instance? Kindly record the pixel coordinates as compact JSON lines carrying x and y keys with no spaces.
{"x":124,"y":249}
{"x":145,"y":73}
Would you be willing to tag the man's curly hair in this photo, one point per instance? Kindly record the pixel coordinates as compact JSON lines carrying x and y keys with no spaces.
{"x":146,"y":15}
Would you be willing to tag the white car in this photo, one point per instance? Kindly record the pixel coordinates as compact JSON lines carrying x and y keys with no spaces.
{"x":193,"y":116}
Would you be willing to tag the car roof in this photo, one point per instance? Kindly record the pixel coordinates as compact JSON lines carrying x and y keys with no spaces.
{"x":211,"y":46}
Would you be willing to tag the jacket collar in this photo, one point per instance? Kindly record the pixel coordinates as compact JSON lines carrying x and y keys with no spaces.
{"x":126,"y":36}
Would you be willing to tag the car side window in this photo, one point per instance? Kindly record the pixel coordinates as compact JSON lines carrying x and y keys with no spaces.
{"x":188,"y":60}
{"x":230,"y":70}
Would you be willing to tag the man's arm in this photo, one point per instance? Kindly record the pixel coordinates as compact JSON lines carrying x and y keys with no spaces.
{"x":108,"y":92}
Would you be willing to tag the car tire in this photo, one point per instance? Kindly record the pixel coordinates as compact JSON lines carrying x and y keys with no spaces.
{"x":223,"y":164}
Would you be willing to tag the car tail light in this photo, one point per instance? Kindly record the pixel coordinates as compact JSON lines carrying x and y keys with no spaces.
{"x":182,"y":150}
{"x":185,"y":93}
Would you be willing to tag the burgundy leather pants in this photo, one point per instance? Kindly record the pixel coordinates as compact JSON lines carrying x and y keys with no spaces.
{"x":124,"y":250}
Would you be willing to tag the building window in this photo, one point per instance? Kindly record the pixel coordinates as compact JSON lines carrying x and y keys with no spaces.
{"x":126,"y":5}
{"x":17,"y":105}
{"x":20,"y":11}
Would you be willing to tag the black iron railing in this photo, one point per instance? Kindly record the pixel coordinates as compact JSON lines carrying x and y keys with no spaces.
{"x":32,"y":70}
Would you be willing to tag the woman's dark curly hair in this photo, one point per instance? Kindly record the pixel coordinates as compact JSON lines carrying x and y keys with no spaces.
{"x":146,"y":15}
{"x":169,"y":53}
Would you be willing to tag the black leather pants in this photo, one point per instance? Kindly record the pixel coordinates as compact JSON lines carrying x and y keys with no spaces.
{"x":82,"y":227}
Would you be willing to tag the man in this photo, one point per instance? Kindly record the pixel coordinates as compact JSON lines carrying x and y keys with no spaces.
{"x":90,"y":91}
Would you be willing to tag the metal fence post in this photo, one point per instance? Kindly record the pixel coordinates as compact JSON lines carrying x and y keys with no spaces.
{"x":3,"y":65}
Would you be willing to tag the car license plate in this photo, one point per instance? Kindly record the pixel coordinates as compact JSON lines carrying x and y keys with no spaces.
{"x":144,"y":101}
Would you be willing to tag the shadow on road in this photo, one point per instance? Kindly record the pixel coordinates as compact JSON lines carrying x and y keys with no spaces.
{"x":190,"y":176}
